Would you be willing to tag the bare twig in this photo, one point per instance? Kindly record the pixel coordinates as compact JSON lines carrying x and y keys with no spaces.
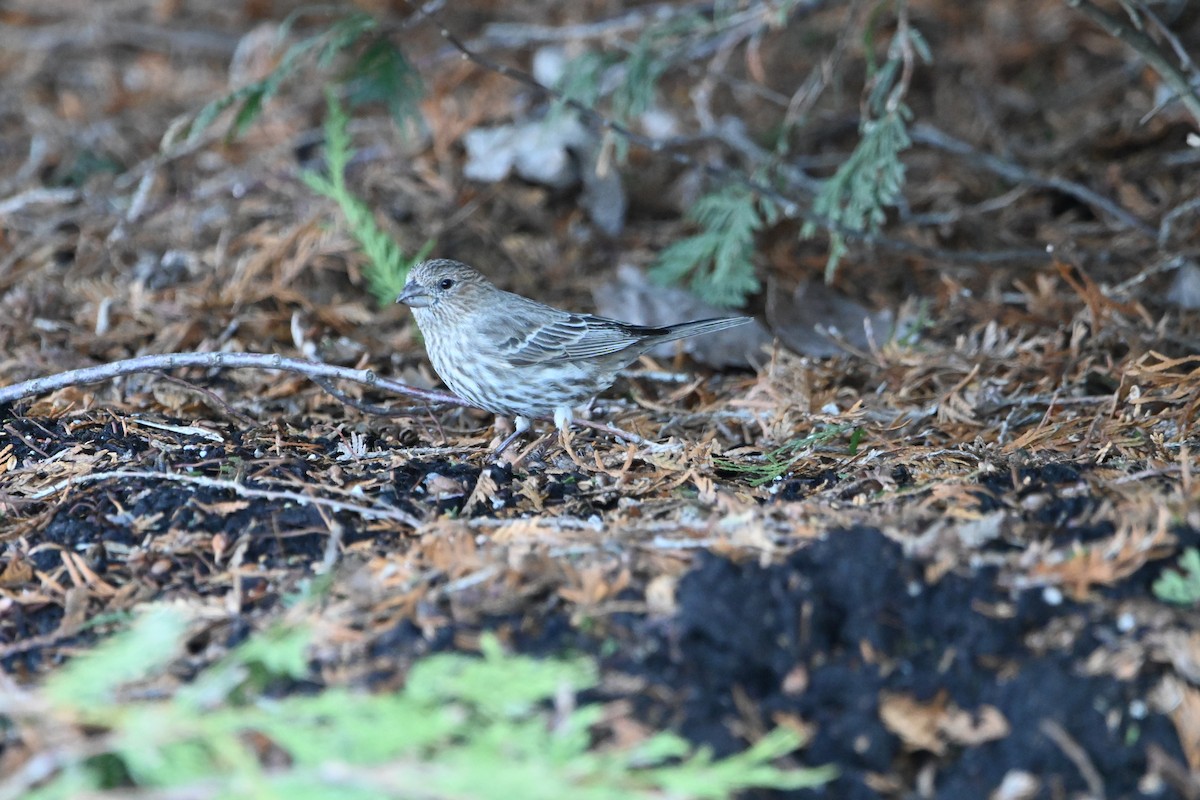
{"x":319,"y":373}
{"x":154,"y":363}
{"x":1078,"y":756}
{"x":14,"y":432}
{"x":38,"y":197}
{"x":804,"y":99}
{"x":1121,"y":30}
{"x":240,"y":489}
{"x":211,"y":398}
{"x":1166,"y":264}
{"x":516,"y":35}
{"x":933,"y":137}
{"x":1177,"y":46}
{"x":38,"y":149}
{"x":903,"y":41}
{"x":610,"y":430}
{"x":937,"y":218}
{"x":1171,"y":217}
{"x":366,"y":408}
{"x":1174,"y":773}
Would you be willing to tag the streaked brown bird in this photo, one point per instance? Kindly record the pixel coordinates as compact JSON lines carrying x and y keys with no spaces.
{"x":518,"y":358}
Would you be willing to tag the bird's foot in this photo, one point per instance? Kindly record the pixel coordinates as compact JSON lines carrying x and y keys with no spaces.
{"x":520,"y":426}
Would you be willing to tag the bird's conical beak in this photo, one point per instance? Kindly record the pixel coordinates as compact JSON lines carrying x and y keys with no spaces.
{"x":415,"y":296}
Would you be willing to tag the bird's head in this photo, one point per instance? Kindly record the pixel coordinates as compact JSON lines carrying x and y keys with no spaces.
{"x":441,"y":282}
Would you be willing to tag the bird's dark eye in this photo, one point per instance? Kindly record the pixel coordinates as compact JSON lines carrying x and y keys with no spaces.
{"x":446,"y":283}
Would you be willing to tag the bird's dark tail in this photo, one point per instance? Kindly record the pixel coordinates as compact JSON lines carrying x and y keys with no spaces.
{"x":686,"y":329}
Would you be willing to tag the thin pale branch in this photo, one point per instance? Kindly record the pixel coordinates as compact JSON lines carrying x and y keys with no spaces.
{"x":240,"y":489}
{"x":929,"y":135}
{"x":319,"y":373}
{"x":313,"y":370}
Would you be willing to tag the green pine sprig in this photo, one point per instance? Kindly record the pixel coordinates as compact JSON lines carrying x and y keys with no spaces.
{"x":387,"y":267}
{"x":486,"y":727}
{"x":718,"y":258}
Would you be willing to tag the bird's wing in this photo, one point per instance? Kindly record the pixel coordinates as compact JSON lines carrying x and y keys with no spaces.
{"x":540,"y":335}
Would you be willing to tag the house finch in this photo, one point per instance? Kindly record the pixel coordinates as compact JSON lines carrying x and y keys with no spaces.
{"x":518,"y":358}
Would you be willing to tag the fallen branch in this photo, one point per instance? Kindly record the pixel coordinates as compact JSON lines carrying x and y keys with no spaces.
{"x":316,"y":371}
{"x":240,"y":489}
{"x":313,"y":370}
